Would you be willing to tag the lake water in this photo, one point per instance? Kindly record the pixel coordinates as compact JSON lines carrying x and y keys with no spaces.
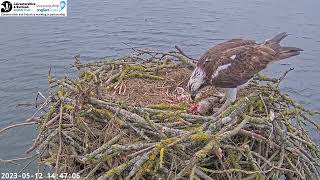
{"x":30,"y":46}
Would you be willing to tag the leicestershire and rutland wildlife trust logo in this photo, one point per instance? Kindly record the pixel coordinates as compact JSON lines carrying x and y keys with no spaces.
{"x":33,"y":8}
{"x":6,"y":6}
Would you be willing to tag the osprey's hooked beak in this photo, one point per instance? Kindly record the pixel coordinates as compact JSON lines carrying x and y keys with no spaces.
{"x":197,"y":81}
{"x":193,"y":96}
{"x":192,"y":93}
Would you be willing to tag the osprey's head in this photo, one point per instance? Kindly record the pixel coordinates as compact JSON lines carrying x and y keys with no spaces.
{"x":196,"y":82}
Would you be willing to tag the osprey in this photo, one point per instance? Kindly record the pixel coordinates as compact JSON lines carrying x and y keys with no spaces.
{"x":233,"y":63}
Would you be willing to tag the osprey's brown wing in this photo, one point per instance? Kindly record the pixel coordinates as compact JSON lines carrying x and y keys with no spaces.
{"x":220,"y":55}
{"x":236,"y":61}
{"x":245,"y":65}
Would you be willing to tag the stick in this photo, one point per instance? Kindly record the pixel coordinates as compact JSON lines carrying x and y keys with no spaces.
{"x":17,"y":125}
{"x":60,"y":140}
{"x":181,"y":52}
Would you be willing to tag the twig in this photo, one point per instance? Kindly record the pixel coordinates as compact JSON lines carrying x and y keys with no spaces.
{"x":60,"y":140}
{"x":17,"y":125}
{"x":181,"y":52}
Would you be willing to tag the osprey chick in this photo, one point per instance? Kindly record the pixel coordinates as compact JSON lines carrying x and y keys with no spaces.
{"x":233,"y":63}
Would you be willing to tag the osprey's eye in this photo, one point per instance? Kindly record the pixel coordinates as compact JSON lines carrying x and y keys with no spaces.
{"x":202,"y":85}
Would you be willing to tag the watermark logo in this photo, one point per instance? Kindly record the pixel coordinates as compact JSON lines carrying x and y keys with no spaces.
{"x":33,"y":8}
{"x":62,"y":5}
{"x":6,"y":6}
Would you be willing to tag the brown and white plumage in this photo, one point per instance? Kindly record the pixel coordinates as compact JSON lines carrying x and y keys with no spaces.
{"x":233,"y":63}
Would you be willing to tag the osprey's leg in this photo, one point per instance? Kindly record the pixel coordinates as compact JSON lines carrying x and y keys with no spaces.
{"x":231,"y":95}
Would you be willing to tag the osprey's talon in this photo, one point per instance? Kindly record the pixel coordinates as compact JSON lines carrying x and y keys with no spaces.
{"x":220,"y":110}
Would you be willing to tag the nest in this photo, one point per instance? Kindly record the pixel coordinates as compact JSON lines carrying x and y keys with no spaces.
{"x":126,"y":118}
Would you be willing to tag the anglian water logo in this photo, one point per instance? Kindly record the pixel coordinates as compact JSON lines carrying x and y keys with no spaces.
{"x":6,"y":6}
{"x":62,"y":5}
